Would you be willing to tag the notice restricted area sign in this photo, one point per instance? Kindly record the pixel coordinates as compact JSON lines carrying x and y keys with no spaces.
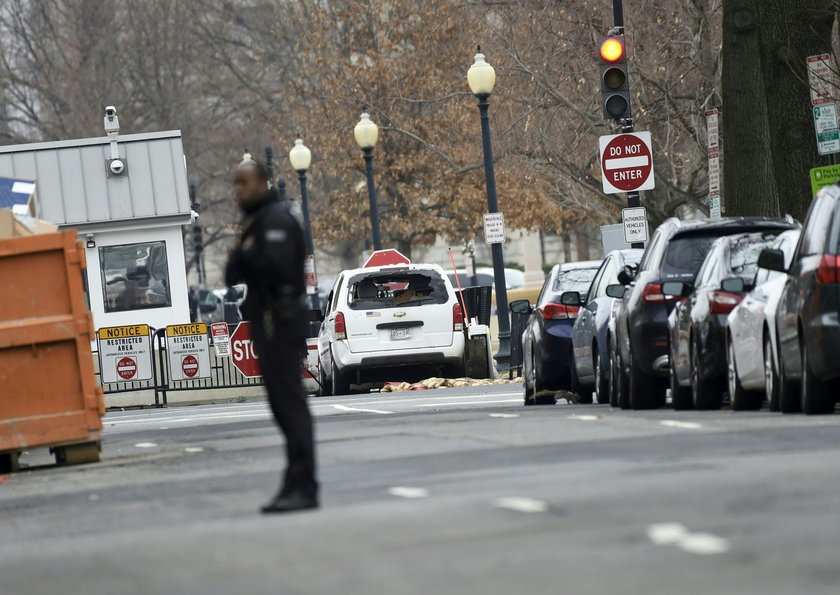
{"x":125,"y":353}
{"x":189,"y":351}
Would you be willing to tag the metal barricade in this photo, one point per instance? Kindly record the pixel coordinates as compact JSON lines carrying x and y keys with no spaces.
{"x":518,"y":323}
{"x":478,"y":301}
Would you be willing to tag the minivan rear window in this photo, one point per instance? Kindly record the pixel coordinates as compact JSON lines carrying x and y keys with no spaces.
{"x":399,"y":289}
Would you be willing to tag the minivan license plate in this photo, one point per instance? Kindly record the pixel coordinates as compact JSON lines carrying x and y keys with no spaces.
{"x":398,"y":334}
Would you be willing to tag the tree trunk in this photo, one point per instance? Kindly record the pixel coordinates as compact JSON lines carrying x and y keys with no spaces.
{"x":792,"y":30}
{"x":749,"y":187}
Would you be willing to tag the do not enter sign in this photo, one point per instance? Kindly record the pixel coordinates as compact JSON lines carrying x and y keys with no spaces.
{"x":126,"y":368}
{"x":626,"y":162}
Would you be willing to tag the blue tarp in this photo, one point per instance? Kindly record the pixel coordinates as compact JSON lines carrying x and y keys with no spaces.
{"x":15,"y":192}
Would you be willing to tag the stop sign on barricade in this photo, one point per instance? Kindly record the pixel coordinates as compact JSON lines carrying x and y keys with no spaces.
{"x":626,"y":162}
{"x":243,"y":353}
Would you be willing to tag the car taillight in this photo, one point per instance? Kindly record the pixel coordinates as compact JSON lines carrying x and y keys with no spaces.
{"x":457,"y":318}
{"x":723,"y":302}
{"x":559,"y":311}
{"x":652,"y":294}
{"x":828,"y":271}
{"x":340,"y":327}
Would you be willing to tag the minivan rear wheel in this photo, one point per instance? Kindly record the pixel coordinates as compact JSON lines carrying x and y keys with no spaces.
{"x":816,"y":399}
{"x":644,"y":391}
{"x":340,"y":383}
{"x":705,"y":393}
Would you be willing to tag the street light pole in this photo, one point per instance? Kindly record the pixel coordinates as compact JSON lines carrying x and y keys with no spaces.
{"x":367,"y":133}
{"x":301,"y":158}
{"x":482,"y":78}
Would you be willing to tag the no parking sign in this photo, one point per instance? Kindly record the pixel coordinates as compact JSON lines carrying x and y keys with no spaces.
{"x":188,"y":350}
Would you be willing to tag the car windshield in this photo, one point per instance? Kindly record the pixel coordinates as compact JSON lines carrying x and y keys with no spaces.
{"x":397,"y":289}
{"x":744,"y":251}
{"x":685,"y":255}
{"x":572,"y":280}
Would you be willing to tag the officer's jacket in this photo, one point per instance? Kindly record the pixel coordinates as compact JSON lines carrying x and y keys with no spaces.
{"x":269,"y":257}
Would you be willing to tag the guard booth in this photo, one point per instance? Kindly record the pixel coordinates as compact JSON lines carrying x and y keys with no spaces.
{"x":127,"y":197}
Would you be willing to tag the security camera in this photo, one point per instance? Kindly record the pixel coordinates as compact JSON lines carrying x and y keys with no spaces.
{"x":117,"y":166}
{"x":110,"y":111}
{"x":112,"y":122}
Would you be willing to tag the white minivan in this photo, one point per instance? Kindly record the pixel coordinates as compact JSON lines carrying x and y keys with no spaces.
{"x":390,"y":323}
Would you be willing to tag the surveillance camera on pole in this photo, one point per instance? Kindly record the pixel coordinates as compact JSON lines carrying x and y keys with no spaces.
{"x":116,"y":166}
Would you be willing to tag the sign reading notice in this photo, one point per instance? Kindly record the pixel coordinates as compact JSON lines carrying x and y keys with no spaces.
{"x":125,"y":353}
{"x":494,"y":228}
{"x":188,"y":350}
{"x":626,"y":162}
{"x":635,"y":225}
{"x":221,"y":338}
{"x":824,"y":176}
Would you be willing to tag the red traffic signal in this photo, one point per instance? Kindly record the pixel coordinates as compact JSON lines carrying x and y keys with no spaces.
{"x":612,"y":49}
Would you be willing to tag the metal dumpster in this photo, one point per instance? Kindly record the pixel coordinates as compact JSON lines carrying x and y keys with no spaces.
{"x":48,"y":391}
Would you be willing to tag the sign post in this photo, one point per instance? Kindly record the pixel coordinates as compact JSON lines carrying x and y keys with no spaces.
{"x":189,"y":351}
{"x":125,"y":353}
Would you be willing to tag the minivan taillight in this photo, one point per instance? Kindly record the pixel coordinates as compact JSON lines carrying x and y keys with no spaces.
{"x":457,"y":318}
{"x":553,"y":311}
{"x":652,"y":294}
{"x":828,"y":271}
{"x":340,"y":327}
{"x":723,"y":302}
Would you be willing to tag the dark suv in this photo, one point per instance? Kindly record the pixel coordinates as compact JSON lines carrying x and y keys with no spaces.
{"x":807,"y":323}
{"x":639,"y":349}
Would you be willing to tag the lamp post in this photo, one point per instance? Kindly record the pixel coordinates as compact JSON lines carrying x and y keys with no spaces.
{"x":269,"y":162}
{"x":301,"y":158}
{"x":482,"y":78}
{"x":367,"y":133}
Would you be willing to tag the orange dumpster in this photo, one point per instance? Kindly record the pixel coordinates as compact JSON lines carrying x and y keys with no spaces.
{"x":48,"y":391}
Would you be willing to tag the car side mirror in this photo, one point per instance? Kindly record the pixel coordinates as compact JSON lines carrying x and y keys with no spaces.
{"x":676,"y":288}
{"x":626,"y":275}
{"x":520,"y":307}
{"x":772,"y":260}
{"x":571,"y":298}
{"x":733,"y":285}
{"x":616,"y":291}
{"x":315,"y":316}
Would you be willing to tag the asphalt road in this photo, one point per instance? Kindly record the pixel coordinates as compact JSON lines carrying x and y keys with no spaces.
{"x":450,"y":491}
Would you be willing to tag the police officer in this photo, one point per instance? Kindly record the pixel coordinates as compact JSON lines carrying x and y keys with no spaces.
{"x":269,"y":257}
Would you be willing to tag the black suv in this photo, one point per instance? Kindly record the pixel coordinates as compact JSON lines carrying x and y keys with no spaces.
{"x":639,"y":350}
{"x":807,"y":323}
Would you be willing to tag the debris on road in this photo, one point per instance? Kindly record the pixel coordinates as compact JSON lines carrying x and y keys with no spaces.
{"x":432,"y":383}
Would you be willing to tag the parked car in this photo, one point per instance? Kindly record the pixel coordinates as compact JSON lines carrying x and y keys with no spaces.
{"x":514,"y":278}
{"x":590,"y":332}
{"x":639,"y":367}
{"x":807,"y":319}
{"x":752,"y":358}
{"x":697,"y":325}
{"x":547,"y":339}
{"x":390,"y":323}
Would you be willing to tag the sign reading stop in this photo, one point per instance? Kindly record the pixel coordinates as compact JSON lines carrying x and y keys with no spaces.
{"x":243,"y":353}
{"x":386,"y":257}
{"x":626,"y":162}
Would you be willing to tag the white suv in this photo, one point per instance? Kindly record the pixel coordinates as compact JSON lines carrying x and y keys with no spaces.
{"x":390,"y":323}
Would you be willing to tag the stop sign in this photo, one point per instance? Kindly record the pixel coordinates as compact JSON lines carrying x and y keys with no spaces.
{"x":626,"y":162}
{"x":243,"y":353}
{"x":382,"y":258}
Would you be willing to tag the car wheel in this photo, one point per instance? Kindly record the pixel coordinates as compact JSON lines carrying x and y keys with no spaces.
{"x":789,"y":393}
{"x":680,"y":395}
{"x":613,"y":376}
{"x":704,"y":393}
{"x":340,"y":383}
{"x":541,"y":395}
{"x":644,"y":391}
{"x":602,"y":381}
{"x":771,"y":377}
{"x":816,"y":399}
{"x":528,"y":383}
{"x":742,"y":400}
{"x":621,"y":384}
{"x":584,"y":394}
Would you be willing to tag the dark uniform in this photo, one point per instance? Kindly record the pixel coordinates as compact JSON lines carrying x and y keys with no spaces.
{"x":269,"y":257}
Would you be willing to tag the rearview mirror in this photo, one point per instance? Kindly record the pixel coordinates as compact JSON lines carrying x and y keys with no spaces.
{"x":676,"y":288}
{"x":571,"y":298}
{"x":616,"y":291}
{"x":733,"y":285}
{"x":772,"y":260}
{"x":520,"y":307}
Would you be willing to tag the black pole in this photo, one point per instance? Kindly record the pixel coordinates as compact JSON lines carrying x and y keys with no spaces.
{"x":503,"y":355}
{"x":374,"y":208}
{"x":269,"y":162}
{"x":310,"y":244}
{"x":618,"y":14}
{"x":281,"y":189}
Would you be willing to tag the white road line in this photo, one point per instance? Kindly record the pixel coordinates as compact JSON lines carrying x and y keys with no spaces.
{"x":193,"y":449}
{"x":468,"y":403}
{"x":676,"y":534}
{"x":408,"y":492}
{"x":521,"y":504}
{"x":685,"y":425}
{"x":585,"y":417}
{"x":172,"y":420}
{"x":504,"y":415}
{"x":357,"y":410}
{"x":146,"y":445}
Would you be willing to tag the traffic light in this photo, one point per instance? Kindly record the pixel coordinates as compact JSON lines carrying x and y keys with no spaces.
{"x":615,"y":89}
{"x":197,"y":239}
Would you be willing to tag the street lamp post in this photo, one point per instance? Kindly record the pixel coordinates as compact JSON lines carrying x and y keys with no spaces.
{"x":301,"y":158}
{"x":482,"y":78}
{"x":367,"y":133}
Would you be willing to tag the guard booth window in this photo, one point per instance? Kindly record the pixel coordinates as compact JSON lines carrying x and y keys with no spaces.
{"x":135,"y":276}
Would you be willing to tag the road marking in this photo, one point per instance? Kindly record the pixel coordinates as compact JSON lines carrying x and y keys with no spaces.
{"x":193,"y":449}
{"x":408,"y":492}
{"x":469,"y":403}
{"x":521,"y":504}
{"x":173,"y":420}
{"x":685,"y":425}
{"x":585,"y":417}
{"x":146,"y":445}
{"x":357,"y":410}
{"x":678,"y":535}
{"x":504,"y":415}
